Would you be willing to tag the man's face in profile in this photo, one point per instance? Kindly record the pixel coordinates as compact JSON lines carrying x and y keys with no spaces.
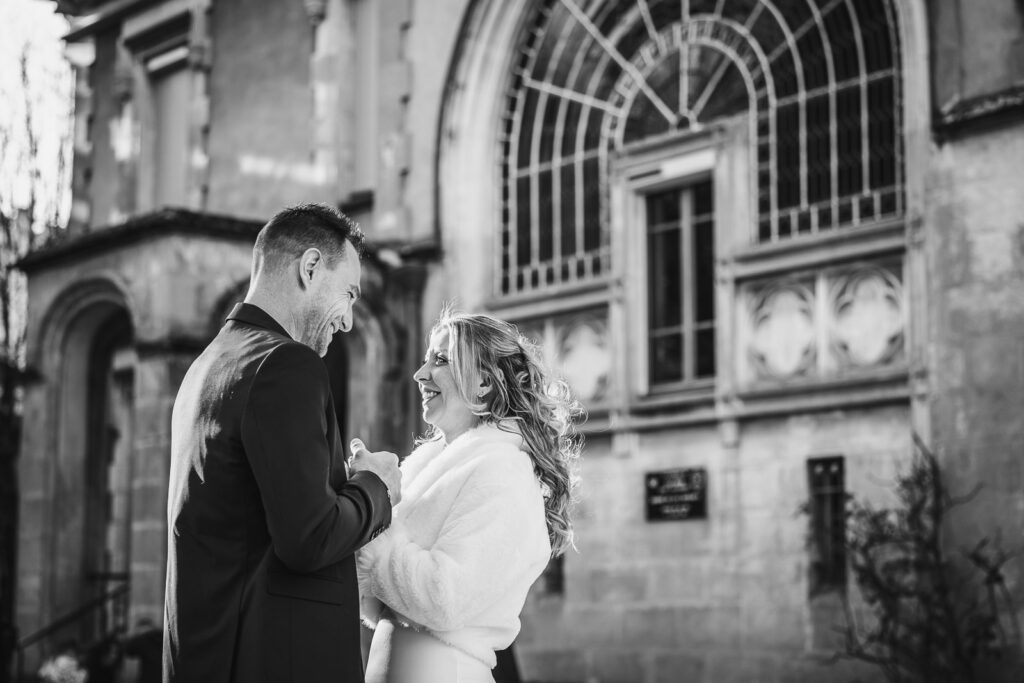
{"x":333,"y":292}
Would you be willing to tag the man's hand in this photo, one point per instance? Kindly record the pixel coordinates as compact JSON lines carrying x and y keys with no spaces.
{"x":382,"y":463}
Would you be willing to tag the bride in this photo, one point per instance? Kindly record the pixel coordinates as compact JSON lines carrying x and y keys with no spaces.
{"x":485,"y":505}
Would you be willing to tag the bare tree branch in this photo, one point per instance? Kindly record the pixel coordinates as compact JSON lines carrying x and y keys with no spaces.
{"x":933,"y":615}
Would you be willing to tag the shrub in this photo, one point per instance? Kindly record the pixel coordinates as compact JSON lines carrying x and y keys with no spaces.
{"x":933,"y":615}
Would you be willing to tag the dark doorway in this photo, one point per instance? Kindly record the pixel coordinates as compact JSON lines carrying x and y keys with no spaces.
{"x":108,"y":471}
{"x":337,"y":362}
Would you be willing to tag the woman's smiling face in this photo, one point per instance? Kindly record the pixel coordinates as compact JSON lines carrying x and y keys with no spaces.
{"x":443,"y":405}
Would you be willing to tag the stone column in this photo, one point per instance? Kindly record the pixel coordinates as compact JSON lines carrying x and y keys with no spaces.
{"x":200,"y":61}
{"x":125,"y":140}
{"x":328,"y":19}
{"x":394,"y":156}
{"x":34,"y":531}
{"x":158,"y":375}
{"x":81,"y":57}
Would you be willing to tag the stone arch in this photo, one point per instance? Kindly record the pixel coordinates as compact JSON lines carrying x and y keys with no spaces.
{"x":362,"y":364}
{"x":917,"y":133}
{"x":223,"y":305}
{"x":104,"y":288}
{"x":364,"y":368}
{"x":468,"y":126}
{"x":86,"y":358}
{"x":474,"y":115}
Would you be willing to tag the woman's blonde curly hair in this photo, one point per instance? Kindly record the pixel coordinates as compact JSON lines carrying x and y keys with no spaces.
{"x":524,"y":398}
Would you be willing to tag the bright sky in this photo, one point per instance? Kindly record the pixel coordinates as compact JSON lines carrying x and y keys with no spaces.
{"x":32,"y":27}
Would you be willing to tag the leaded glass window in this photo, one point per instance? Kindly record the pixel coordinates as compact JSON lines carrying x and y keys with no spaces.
{"x":681,"y":285}
{"x":817,"y":80}
{"x":826,"y":479}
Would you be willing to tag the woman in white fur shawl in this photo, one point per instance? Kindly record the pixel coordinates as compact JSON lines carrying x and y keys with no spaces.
{"x":484,"y":507}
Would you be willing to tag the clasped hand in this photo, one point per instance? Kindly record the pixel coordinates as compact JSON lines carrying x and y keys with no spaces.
{"x":382,"y":463}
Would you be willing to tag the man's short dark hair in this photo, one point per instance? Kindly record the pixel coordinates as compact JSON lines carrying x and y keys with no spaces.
{"x":305,"y":226}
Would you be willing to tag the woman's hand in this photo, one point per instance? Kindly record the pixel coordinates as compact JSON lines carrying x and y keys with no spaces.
{"x":382,"y":463}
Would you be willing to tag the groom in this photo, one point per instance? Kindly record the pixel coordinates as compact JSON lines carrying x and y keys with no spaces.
{"x":263,"y":516}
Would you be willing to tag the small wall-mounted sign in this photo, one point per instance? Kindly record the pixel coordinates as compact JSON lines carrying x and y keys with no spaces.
{"x":676,"y":495}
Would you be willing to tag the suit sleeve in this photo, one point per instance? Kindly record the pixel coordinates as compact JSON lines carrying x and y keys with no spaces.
{"x":284,"y":433}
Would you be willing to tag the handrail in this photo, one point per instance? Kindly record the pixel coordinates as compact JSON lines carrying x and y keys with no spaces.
{"x":103,"y":577}
{"x":70,"y":618}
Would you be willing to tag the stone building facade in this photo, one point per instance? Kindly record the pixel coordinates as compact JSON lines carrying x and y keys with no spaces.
{"x":766,"y":241}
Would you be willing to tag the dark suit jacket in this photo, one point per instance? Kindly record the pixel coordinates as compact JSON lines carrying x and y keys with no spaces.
{"x":263,"y":519}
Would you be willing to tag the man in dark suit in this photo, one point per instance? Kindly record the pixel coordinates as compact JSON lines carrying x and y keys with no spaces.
{"x":263,"y":514}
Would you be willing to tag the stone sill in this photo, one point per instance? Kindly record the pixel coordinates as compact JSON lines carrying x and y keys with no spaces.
{"x":174,"y":221}
{"x":896,"y":374}
{"x":589,"y":294}
{"x":958,"y":115}
{"x":145,"y":227}
{"x":882,"y":387}
{"x":885,"y":387}
{"x":802,"y":253}
{"x":92,"y":16}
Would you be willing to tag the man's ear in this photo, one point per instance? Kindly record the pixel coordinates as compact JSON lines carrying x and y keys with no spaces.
{"x":310,"y":265}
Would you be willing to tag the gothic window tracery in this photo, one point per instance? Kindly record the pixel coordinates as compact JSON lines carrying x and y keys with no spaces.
{"x":818,"y":81}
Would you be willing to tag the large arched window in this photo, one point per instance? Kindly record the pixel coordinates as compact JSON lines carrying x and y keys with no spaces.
{"x":817,"y":80}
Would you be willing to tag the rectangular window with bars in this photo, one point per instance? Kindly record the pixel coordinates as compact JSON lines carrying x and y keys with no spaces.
{"x":681,"y":285}
{"x":827,"y":484}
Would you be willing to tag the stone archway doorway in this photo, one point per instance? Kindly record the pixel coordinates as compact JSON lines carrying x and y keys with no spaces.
{"x":359,"y":364}
{"x":91,"y":463}
{"x":109,"y":465}
{"x":362,"y":365}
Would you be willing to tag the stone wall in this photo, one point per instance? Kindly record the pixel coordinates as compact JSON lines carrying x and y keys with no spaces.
{"x":168,"y":287}
{"x":973,"y":228}
{"x":261,"y":132}
{"x":430,"y":46}
{"x":264,"y":125}
{"x":724,"y":599}
{"x":977,"y":48}
{"x":719,"y":600}
{"x":174,"y":289}
{"x":975,"y":233}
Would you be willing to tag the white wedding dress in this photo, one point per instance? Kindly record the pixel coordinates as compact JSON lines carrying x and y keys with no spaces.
{"x":445,"y":584}
{"x":400,"y":654}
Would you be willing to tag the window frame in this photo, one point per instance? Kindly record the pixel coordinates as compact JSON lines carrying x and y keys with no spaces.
{"x":167,"y":172}
{"x":777,"y":92}
{"x":485,"y":72}
{"x":720,"y":153}
{"x":158,"y":42}
{"x":837,"y":576}
{"x":688,"y":326}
